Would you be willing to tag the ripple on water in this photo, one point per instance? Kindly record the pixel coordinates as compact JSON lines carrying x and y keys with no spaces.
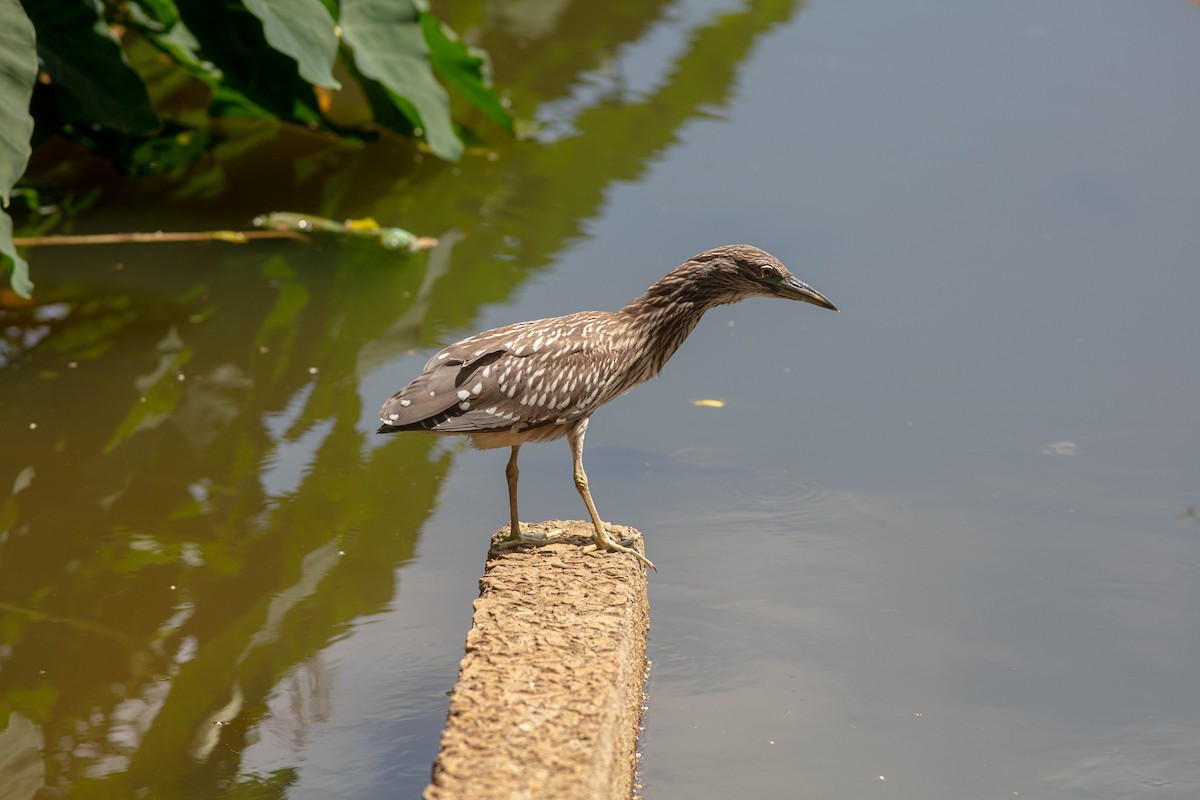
{"x":780,"y":559}
{"x":1129,"y":761}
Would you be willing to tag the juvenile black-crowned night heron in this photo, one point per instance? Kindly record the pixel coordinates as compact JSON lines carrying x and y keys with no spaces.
{"x":541,"y":380}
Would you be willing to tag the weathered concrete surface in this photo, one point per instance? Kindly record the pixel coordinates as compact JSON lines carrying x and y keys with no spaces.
{"x":549,"y":695}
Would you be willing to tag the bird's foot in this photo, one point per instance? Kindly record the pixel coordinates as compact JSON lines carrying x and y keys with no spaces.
{"x":630,"y":540}
{"x":622,"y":546}
{"x":520,"y":537}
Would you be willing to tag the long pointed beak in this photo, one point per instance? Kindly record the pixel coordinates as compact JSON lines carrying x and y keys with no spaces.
{"x":794,"y":289}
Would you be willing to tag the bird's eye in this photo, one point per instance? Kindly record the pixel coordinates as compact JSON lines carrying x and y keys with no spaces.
{"x":766,"y":271}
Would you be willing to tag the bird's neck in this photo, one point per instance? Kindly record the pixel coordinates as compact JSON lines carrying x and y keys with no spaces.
{"x":662,"y":319}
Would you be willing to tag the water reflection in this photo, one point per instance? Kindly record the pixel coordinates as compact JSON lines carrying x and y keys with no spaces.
{"x":193,"y":514}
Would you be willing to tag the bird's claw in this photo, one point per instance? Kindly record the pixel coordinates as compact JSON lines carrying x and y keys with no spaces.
{"x":622,"y":546}
{"x":529,"y":538}
{"x":616,"y":546}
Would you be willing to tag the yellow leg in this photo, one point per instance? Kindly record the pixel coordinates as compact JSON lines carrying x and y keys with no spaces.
{"x":602,"y":540}
{"x":512,"y":473}
{"x":515,"y":537}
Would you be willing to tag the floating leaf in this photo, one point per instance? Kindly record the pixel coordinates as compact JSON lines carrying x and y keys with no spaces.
{"x":391,"y":238}
{"x":364,"y":224}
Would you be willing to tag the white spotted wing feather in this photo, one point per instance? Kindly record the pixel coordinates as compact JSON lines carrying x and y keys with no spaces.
{"x":541,"y":375}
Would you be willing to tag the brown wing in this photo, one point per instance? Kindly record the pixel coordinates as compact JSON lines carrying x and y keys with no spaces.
{"x":524,"y":375}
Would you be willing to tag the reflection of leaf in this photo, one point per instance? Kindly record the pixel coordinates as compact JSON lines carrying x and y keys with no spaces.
{"x":143,"y":551}
{"x":93,"y":327}
{"x":8,"y":514}
{"x":21,"y":758}
{"x":33,"y":702}
{"x":15,"y":618}
{"x":171,"y":151}
{"x":291,"y":300}
{"x":313,"y":569}
{"x":161,"y":392}
{"x":211,"y":182}
{"x":24,"y":479}
{"x":8,"y":509}
{"x":274,"y":786}
{"x":210,"y":406}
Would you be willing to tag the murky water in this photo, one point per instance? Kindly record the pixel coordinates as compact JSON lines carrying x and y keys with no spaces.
{"x":941,"y":545}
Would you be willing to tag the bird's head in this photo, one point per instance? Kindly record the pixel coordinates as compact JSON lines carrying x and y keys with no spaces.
{"x":733,"y":272}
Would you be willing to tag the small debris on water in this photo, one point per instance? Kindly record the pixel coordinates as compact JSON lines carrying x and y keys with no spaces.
{"x":709,"y":403}
{"x":1063,"y":448}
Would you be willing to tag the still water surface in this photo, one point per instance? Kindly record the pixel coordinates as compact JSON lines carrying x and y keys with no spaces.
{"x":941,"y":545}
